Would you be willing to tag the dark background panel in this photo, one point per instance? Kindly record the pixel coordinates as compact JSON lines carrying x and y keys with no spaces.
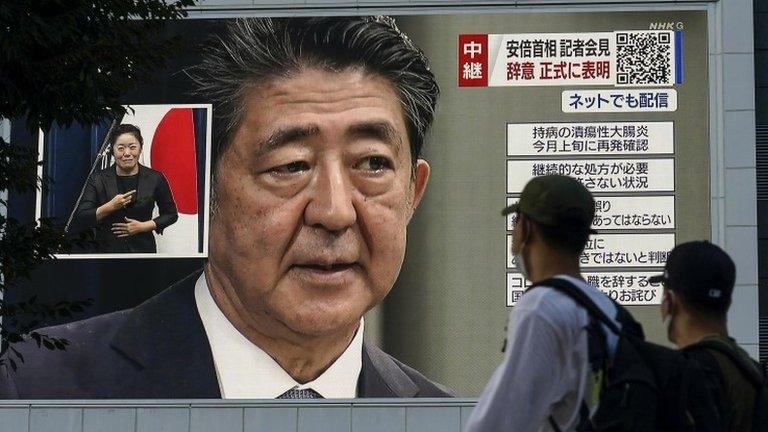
{"x":69,"y":154}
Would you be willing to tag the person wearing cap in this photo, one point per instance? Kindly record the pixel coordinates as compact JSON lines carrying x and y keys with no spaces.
{"x":542,"y":382}
{"x":698,"y":282}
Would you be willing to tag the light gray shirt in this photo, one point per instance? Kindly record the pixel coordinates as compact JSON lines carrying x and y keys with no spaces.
{"x":544,"y":371}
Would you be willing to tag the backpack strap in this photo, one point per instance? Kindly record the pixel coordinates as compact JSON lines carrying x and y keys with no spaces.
{"x":584,"y":423}
{"x":553,"y":425}
{"x":748,"y":368}
{"x":581,"y":298}
{"x":745,"y":365}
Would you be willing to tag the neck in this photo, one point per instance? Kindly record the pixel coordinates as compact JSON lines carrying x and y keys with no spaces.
{"x":132,"y":171}
{"x":545,"y":262}
{"x":689,"y":331}
{"x":303,"y":357}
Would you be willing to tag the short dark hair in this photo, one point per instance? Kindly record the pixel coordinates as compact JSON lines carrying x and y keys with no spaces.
{"x":703,"y":310}
{"x":569,"y":235}
{"x":126,"y":128}
{"x":257,"y":49}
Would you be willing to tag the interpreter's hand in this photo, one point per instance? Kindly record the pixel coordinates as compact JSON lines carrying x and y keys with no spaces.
{"x":121,"y":200}
{"x":132,"y":227}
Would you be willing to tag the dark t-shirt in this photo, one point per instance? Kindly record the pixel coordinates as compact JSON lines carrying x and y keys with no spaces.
{"x":127,"y":183}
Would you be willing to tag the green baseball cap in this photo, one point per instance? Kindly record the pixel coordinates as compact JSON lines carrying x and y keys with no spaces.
{"x":555,"y":200}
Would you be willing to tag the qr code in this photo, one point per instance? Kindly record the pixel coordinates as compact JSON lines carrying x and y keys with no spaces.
{"x":645,"y":58}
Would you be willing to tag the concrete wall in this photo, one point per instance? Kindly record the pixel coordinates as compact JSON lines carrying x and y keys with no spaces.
{"x":732,"y":131}
{"x":427,"y":415}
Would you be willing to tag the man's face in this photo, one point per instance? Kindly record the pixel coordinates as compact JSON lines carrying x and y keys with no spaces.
{"x":314,"y":195}
{"x":126,"y":151}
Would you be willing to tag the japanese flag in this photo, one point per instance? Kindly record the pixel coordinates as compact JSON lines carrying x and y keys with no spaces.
{"x":169,"y":147}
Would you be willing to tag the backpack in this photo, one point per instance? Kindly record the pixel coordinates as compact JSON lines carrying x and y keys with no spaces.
{"x":644,"y":386}
{"x":751,"y":370}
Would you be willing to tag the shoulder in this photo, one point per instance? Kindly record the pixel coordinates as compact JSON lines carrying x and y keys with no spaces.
{"x":559,"y":306}
{"x":549,"y":304}
{"x":107,"y":354}
{"x":704,"y":357}
{"x":42,"y":372}
{"x":149,"y":172}
{"x":723,"y":353}
{"x":104,"y":173}
{"x":385,"y":376}
{"x":427,"y":387}
{"x":82,"y":336}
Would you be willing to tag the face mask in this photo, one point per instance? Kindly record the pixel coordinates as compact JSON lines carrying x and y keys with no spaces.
{"x":667,"y":320}
{"x":520,"y":261}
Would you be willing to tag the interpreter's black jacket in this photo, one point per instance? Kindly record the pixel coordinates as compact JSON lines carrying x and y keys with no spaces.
{"x":152,"y":188}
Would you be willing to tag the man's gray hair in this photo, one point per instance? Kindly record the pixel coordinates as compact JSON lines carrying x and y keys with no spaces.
{"x":258,"y":49}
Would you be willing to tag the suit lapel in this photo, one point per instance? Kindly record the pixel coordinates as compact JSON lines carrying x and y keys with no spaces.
{"x":166,"y":338}
{"x":382,"y":377}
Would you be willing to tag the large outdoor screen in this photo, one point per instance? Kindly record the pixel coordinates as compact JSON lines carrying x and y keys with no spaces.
{"x":618,"y":100}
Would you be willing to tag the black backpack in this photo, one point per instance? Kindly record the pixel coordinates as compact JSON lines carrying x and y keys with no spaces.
{"x":645,"y":387}
{"x":751,"y":370}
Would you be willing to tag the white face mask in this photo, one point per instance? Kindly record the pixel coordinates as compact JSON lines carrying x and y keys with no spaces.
{"x":520,"y":261}
{"x":667,"y":320}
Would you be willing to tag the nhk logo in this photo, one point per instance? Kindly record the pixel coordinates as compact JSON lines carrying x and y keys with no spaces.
{"x":666,"y":25}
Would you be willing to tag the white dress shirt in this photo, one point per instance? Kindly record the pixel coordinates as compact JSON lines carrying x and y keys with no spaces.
{"x":544,"y":371}
{"x":245,"y":371}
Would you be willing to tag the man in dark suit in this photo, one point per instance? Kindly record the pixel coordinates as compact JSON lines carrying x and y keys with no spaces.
{"x":159,"y":350}
{"x":317,"y":175}
{"x":118,"y":201}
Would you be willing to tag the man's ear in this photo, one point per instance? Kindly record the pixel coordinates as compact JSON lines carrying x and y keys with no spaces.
{"x":419,"y":183}
{"x":674,"y":302}
{"x":669,"y":303}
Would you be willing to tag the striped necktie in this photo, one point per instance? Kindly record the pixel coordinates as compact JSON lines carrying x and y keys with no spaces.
{"x":296,"y":393}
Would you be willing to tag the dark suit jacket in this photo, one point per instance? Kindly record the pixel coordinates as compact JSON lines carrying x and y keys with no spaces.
{"x":102,"y":186}
{"x":159,"y":350}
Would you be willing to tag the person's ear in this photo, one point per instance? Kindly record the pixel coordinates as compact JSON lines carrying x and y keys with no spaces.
{"x":418,"y":183}
{"x":673,"y":303}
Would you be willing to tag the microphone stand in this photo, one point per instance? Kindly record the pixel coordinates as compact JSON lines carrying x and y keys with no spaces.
{"x":103,"y":152}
